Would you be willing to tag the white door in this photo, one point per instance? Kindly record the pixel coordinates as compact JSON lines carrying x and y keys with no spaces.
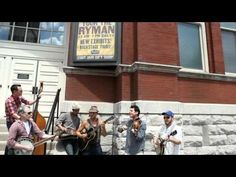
{"x":50,"y":73}
{"x":5,"y":66}
{"x":24,"y":72}
{"x":29,"y":73}
{"x":2,"y":95}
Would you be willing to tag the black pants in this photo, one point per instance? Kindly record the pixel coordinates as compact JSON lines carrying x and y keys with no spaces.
{"x":93,"y":149}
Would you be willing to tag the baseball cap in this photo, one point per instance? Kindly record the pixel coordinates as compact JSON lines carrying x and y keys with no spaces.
{"x":169,"y":113}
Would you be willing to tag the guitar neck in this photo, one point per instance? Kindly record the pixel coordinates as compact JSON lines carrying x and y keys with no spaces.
{"x":110,"y":118}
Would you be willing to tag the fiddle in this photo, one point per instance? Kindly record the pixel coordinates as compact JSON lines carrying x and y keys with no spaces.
{"x":136,"y":124}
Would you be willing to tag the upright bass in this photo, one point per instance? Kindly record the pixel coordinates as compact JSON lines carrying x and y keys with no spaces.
{"x":41,"y":122}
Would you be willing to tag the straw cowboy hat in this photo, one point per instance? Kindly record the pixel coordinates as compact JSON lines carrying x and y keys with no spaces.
{"x":93,"y":109}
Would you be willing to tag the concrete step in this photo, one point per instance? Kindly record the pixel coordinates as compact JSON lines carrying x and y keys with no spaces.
{"x":3,"y":120}
{"x":2,"y":145}
{"x":3,"y":136}
{"x":3,"y":128}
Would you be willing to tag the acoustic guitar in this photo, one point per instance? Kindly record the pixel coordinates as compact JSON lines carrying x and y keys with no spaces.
{"x":162,"y":144}
{"x":91,"y":134}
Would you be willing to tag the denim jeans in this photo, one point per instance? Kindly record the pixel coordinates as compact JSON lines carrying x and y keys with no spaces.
{"x":139,"y":153}
{"x":93,"y":149}
{"x":71,"y":146}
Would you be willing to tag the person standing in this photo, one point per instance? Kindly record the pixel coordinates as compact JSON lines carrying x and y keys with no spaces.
{"x":91,"y":131}
{"x":136,"y":132}
{"x":170,"y":138}
{"x":13,"y":103}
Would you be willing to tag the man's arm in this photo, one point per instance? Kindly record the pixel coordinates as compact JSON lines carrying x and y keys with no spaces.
{"x":174,"y":140}
{"x":34,"y":101}
{"x":80,"y":129}
{"x":177,"y":139}
{"x":103,"y":128}
{"x":60,"y":121}
{"x":16,"y":116}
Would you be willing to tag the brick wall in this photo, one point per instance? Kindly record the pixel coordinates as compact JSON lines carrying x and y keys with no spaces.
{"x":92,"y":88}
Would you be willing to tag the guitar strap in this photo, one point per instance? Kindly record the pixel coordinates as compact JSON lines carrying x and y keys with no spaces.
{"x":171,"y":128}
{"x":96,"y":130}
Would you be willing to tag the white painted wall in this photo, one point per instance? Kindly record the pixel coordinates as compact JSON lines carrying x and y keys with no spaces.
{"x":41,"y":62}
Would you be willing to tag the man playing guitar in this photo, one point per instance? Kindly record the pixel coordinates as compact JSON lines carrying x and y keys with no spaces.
{"x":69,"y":123}
{"x":90,"y":131}
{"x":170,"y":136}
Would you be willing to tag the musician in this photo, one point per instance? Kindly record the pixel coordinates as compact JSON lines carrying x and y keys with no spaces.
{"x":12,"y":105}
{"x":69,"y":123}
{"x":90,"y":131}
{"x":171,"y":143}
{"x":136,"y":132}
{"x":25,"y":127}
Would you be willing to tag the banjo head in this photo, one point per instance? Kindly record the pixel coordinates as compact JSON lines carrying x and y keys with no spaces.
{"x":24,"y":141}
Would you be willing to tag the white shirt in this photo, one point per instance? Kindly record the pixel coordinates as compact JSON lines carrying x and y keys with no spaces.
{"x":171,"y":148}
{"x":27,"y":126}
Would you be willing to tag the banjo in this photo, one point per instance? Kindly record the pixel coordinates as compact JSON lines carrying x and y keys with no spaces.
{"x":28,"y":141}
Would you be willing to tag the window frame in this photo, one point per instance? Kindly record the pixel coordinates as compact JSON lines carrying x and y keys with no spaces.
{"x":230,"y":30}
{"x":13,"y":26}
{"x":203,"y":48}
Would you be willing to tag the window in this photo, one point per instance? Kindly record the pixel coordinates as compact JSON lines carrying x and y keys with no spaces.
{"x":192,"y":45}
{"x":228,"y":33}
{"x":51,"y":33}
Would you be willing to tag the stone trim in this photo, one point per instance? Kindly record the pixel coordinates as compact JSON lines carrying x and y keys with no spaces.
{"x":208,"y":76}
{"x":88,"y":71}
{"x":155,"y":107}
{"x":144,"y":66}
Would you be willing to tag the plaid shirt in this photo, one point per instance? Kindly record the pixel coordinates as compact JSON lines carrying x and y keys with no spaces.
{"x":12,"y":105}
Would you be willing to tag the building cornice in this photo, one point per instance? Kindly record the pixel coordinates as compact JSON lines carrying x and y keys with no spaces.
{"x":144,"y":66}
{"x":88,"y":71}
{"x":207,"y":76}
{"x":150,"y":67}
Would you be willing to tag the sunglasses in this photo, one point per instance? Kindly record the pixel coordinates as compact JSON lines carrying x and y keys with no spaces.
{"x":28,"y":113}
{"x":166,"y":117}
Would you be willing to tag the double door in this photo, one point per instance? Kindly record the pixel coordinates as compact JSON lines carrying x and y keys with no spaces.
{"x":29,"y":73}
